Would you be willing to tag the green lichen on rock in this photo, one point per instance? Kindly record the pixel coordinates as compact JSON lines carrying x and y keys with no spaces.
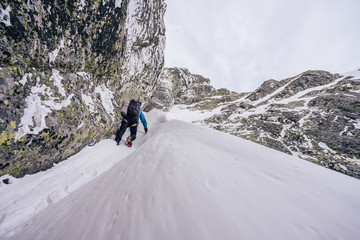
{"x":55,"y":55}
{"x":16,"y":170}
{"x":6,"y":138}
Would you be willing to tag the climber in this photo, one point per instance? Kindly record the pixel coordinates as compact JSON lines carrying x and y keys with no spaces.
{"x":130,"y":112}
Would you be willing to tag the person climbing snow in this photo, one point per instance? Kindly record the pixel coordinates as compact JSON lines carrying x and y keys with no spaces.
{"x":130,"y":112}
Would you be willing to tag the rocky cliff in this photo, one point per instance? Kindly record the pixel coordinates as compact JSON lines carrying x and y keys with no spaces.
{"x":179,"y":86}
{"x":315,"y":115}
{"x":65,"y":66}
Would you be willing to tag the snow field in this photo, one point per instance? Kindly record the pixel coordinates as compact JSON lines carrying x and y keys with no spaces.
{"x":28,"y":196}
{"x":183,"y":181}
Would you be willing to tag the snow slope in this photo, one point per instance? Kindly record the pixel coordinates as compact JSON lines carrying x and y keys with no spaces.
{"x":184,"y":181}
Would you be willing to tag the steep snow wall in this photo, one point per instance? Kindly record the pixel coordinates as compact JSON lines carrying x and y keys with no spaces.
{"x":65,"y":67}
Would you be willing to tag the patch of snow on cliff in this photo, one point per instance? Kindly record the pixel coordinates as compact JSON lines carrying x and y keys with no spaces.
{"x":235,"y":116}
{"x":88,"y":101}
{"x":25,"y":78}
{"x":57,"y":81}
{"x":53,"y":103}
{"x":355,"y":74}
{"x":54,"y":54}
{"x":343,"y":167}
{"x":326,"y":148}
{"x":357,"y":124}
{"x":81,"y":125}
{"x":5,"y":15}
{"x":305,"y":119}
{"x":285,"y":128}
{"x":267,"y":97}
{"x":300,"y":95}
{"x":106,"y":99}
{"x":117,"y":3}
{"x":297,"y":97}
{"x":216,"y":97}
{"x":81,"y":5}
{"x":254,"y":111}
{"x":87,"y":77}
{"x":33,"y":120}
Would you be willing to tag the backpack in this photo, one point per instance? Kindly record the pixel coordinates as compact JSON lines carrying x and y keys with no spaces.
{"x":133,"y":110}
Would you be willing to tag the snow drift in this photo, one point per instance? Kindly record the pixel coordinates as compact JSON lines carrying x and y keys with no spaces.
{"x":184,"y":181}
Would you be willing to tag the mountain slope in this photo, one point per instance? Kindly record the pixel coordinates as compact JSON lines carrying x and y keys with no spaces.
{"x":315,"y":115}
{"x":185,"y":181}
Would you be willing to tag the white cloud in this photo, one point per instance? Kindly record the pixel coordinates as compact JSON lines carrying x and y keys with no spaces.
{"x":238,"y":44}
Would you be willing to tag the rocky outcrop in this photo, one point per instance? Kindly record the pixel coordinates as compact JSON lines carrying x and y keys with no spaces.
{"x":315,"y":115}
{"x":65,"y":67}
{"x":179,"y":86}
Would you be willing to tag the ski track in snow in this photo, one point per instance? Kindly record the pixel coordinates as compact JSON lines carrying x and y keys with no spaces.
{"x":182,"y":181}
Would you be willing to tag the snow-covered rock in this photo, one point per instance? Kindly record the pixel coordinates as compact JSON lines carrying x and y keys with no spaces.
{"x":298,"y":115}
{"x":179,"y":86}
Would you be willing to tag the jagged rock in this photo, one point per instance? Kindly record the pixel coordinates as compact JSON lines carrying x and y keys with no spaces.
{"x":179,"y":86}
{"x":65,"y":68}
{"x":266,"y":88}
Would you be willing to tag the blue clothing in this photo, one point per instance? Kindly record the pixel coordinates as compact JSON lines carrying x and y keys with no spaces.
{"x":143,"y":120}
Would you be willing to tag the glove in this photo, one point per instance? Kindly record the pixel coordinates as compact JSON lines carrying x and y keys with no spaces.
{"x":146,"y":130}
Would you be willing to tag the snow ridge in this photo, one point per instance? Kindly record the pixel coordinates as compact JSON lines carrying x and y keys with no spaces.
{"x":208,"y":186}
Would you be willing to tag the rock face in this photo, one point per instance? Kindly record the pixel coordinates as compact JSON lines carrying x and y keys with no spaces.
{"x":65,"y":67}
{"x":179,"y":86}
{"x":315,"y":115}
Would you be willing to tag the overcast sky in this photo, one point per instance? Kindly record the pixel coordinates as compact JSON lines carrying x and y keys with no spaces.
{"x":239,"y":44}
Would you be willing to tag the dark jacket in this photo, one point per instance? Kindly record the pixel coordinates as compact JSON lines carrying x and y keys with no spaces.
{"x":124,"y":108}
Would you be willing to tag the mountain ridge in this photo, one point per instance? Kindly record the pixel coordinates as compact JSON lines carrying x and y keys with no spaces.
{"x":315,"y":114}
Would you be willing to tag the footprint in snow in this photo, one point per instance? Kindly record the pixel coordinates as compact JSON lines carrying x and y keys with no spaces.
{"x":2,"y":218}
{"x":55,"y":196}
{"x":89,"y":172}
